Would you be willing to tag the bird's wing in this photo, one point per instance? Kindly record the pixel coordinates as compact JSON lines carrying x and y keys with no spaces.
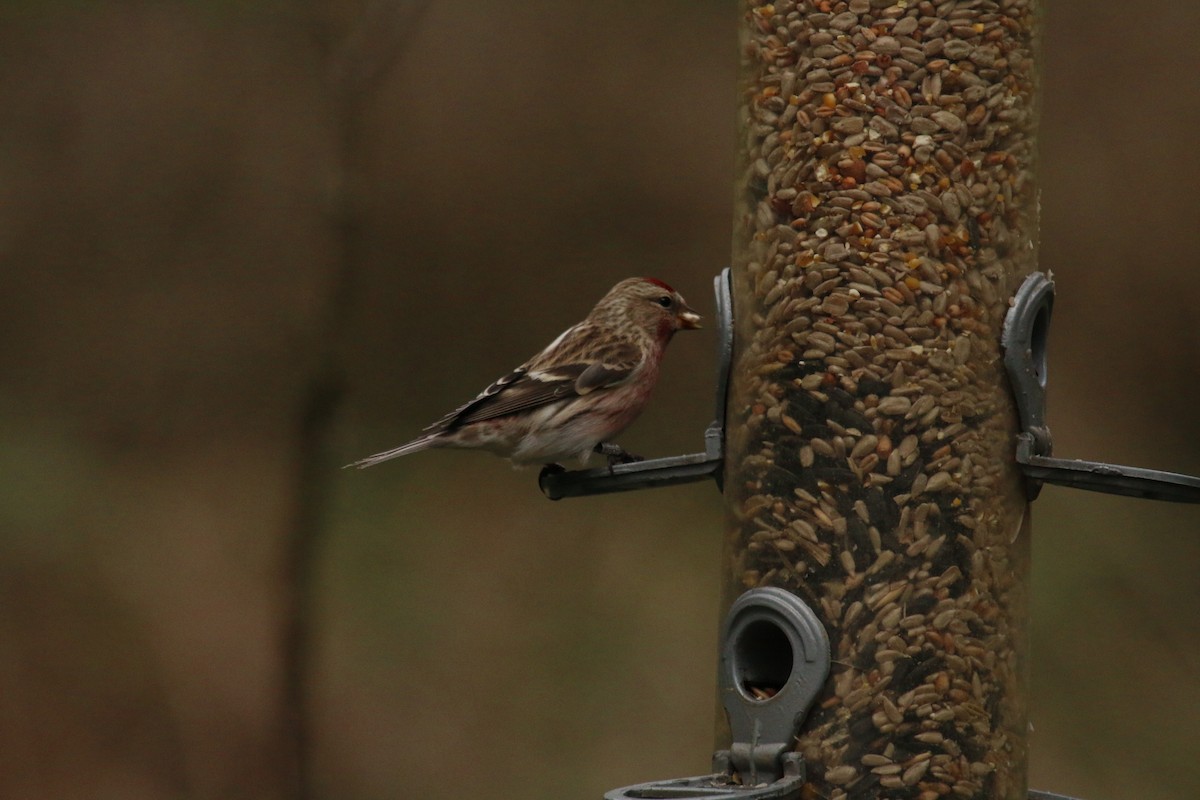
{"x":515,"y":392}
{"x":613,"y":366}
{"x":531,"y":385}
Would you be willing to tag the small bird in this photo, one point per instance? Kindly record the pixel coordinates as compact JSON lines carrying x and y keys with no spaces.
{"x":574,"y":397}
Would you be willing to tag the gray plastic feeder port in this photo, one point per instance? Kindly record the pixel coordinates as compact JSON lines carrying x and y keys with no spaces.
{"x":774,"y":661}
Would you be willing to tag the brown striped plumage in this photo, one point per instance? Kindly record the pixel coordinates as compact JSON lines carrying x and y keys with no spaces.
{"x":585,"y":388}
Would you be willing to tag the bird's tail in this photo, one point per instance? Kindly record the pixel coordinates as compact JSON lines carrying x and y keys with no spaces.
{"x":415,"y":446}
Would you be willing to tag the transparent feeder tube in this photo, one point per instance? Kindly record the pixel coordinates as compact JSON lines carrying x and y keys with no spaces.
{"x":886,"y":213}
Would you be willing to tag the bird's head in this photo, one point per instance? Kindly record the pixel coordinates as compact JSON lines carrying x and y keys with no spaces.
{"x":651,"y":305}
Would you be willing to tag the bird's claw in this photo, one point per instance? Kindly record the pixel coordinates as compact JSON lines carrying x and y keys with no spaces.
{"x":616,"y":455}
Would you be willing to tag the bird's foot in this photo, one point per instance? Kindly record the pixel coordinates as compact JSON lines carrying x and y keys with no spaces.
{"x":616,"y":454}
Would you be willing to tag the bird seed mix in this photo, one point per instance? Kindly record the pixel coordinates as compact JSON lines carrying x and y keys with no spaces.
{"x":886,"y":214}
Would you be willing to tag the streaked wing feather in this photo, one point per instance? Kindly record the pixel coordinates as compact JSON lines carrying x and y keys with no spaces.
{"x":454,"y":418}
{"x":615,"y":366}
{"x":538,"y":383}
{"x":514,"y":393}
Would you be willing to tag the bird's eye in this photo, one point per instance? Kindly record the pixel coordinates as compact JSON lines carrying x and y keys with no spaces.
{"x":664,"y":301}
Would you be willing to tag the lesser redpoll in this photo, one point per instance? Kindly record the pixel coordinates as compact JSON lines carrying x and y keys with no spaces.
{"x":579,"y":393}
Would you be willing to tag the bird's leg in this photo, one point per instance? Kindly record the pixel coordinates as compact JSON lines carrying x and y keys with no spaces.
{"x":615,"y":454}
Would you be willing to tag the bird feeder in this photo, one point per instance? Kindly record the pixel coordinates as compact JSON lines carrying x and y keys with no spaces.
{"x":886,"y":215}
{"x":880,"y":425}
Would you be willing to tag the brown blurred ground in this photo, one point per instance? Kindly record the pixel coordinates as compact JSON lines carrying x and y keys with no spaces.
{"x":172,"y":243}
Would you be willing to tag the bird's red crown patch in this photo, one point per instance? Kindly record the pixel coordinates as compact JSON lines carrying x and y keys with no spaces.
{"x":660,"y":284}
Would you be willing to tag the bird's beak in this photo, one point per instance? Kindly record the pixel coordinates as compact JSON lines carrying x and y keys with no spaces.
{"x":688,"y":319}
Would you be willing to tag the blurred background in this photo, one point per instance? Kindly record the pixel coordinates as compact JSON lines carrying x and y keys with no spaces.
{"x":243,"y":244}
